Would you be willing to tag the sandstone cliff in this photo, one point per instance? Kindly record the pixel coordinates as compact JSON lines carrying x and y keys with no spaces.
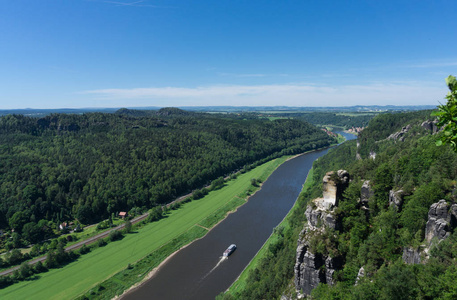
{"x":314,"y":268}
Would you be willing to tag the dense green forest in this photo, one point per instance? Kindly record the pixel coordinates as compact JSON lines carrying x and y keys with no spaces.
{"x":375,"y":239}
{"x":63,"y":167}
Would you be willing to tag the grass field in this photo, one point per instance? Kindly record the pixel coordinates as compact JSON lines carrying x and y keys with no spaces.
{"x":240,"y":283}
{"x":100,"y":264}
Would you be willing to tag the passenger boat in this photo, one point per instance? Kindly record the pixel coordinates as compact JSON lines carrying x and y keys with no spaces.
{"x":229,"y":250}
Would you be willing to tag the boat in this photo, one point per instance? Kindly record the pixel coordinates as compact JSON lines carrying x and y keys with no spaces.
{"x":229,"y":250}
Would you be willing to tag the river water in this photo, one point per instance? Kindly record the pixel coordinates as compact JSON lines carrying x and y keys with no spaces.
{"x":198,"y":272}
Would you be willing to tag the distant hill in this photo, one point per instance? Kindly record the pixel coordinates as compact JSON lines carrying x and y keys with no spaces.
{"x":358,"y":108}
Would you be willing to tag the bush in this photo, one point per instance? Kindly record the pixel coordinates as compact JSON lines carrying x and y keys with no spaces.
{"x":114,"y":235}
{"x":25,"y":270}
{"x":39,"y":267}
{"x":84,"y":249}
{"x":127,"y":226}
{"x":101,"y":243}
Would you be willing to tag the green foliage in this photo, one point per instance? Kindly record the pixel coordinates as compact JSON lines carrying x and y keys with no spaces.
{"x":127,"y":226}
{"x":447,"y":115}
{"x":86,"y":167}
{"x":373,"y":234}
{"x":115,"y":235}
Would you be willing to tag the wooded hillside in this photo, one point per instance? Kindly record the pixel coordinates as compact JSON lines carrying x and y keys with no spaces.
{"x":65,"y":166}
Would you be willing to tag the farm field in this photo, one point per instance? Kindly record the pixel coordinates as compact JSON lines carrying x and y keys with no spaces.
{"x":100,"y":264}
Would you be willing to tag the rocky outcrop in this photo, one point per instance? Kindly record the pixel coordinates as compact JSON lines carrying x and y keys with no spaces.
{"x":400,"y":135}
{"x":440,"y":216}
{"x":357,"y":154}
{"x":372,"y":155}
{"x":430,"y":126}
{"x":442,"y":220}
{"x":333,"y":186}
{"x":309,"y":272}
{"x":314,"y":268}
{"x":411,"y":256}
{"x":366,"y":192}
{"x":396,"y":199}
{"x":320,"y":212}
{"x":360,"y":275}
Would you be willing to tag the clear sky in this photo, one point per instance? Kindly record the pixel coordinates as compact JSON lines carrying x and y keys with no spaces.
{"x":130,"y":53}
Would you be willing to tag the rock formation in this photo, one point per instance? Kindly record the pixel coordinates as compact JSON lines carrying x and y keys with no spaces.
{"x":411,"y":256}
{"x":440,"y":217}
{"x":396,"y":199}
{"x":400,"y":135}
{"x":430,"y":126}
{"x":309,"y":267}
{"x":366,"y":193}
{"x":360,"y":275}
{"x":442,"y":220}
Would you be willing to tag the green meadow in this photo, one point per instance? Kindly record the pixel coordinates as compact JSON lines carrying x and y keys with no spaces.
{"x":83,"y":275}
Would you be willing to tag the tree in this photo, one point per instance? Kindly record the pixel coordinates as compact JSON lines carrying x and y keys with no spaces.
{"x":128,"y":226}
{"x":32,"y":233}
{"x":25,"y":270}
{"x":447,"y":115}
{"x":18,"y":220}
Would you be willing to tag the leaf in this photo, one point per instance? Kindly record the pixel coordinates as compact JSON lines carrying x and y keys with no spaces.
{"x":439,"y":143}
{"x":451,"y":82}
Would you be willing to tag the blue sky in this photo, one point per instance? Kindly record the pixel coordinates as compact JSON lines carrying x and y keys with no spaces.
{"x":130,"y":53}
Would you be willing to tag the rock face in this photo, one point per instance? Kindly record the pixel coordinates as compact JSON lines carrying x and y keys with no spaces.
{"x":442,"y":220}
{"x":334,"y":185}
{"x":312,"y":268}
{"x":411,"y":256}
{"x":366,"y":192}
{"x":372,"y":155}
{"x":320,"y":212}
{"x":360,"y":275}
{"x":439,"y":218}
{"x":400,"y":135}
{"x":430,"y":126}
{"x":308,"y":273}
{"x":396,"y":199}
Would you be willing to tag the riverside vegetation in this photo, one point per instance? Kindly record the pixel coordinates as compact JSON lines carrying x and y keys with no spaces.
{"x":406,"y":174}
{"x":116,"y":266}
{"x":88,"y":167}
{"x":61,"y":168}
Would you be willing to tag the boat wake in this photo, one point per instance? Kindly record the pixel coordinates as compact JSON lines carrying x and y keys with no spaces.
{"x":221,"y":260}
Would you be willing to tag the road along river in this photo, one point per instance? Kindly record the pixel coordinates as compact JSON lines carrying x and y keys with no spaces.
{"x":198,"y":271}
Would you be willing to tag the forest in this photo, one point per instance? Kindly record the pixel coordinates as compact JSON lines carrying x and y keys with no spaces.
{"x":88,"y":167}
{"x":375,"y":239}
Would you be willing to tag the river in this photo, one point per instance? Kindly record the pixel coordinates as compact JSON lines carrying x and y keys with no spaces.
{"x":198,"y":272}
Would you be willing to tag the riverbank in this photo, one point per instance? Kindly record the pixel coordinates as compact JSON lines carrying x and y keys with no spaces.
{"x":240,"y":282}
{"x":138,"y":253}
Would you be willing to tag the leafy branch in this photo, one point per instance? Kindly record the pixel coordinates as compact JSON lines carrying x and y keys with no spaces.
{"x":447,"y":115}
